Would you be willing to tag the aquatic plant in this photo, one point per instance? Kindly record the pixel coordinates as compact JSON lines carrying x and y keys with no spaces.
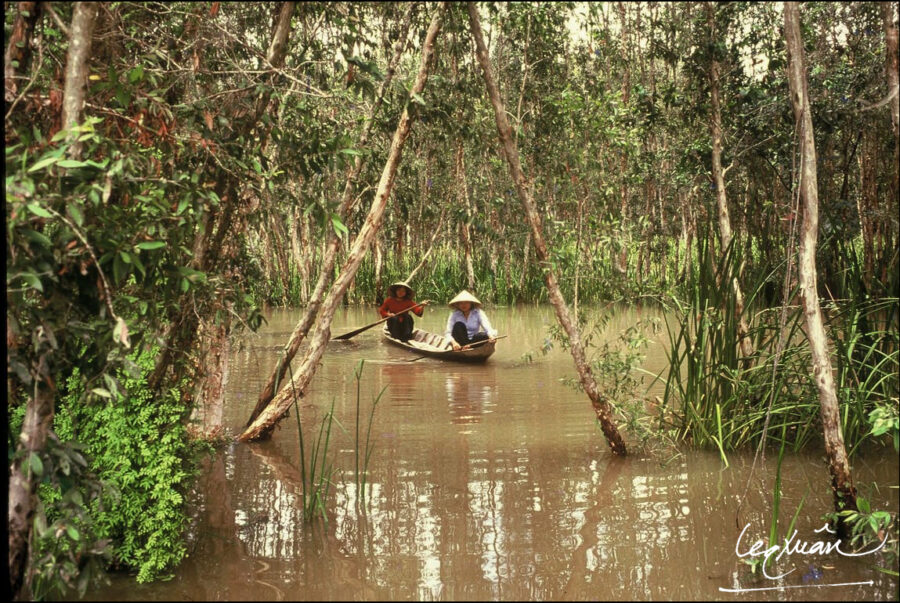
{"x":361,"y":476}
{"x":316,"y":481}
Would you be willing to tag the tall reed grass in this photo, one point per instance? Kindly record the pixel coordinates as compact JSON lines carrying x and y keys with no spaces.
{"x":722,"y":401}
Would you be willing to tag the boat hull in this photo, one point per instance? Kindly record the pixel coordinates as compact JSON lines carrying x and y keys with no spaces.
{"x":432,"y":345}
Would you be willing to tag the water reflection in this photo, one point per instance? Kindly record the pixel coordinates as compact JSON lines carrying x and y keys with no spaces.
{"x":471,"y":392}
{"x":485,"y":482}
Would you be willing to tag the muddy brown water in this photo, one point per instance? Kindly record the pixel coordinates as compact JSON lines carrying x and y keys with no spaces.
{"x":493,"y":482}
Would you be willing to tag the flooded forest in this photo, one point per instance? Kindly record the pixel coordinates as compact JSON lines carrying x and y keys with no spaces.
{"x":452,"y":300}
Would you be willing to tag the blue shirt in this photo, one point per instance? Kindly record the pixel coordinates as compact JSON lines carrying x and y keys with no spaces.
{"x":476,"y":321}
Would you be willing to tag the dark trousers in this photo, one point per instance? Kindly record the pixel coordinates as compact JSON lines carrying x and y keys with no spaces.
{"x":461,"y":335}
{"x":400,"y":327}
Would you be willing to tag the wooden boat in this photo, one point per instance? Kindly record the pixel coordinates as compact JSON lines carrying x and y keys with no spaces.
{"x":433,"y":345}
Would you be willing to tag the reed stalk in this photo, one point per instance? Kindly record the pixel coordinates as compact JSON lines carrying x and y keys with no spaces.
{"x":361,"y":476}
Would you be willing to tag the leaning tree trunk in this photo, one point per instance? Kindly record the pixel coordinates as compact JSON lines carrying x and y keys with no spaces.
{"x":838,"y":464}
{"x":333,"y":241}
{"x":599,"y":401}
{"x":715,"y":127}
{"x":268,"y":415}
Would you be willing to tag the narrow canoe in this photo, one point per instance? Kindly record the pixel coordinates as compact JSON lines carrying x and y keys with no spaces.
{"x":424,"y":343}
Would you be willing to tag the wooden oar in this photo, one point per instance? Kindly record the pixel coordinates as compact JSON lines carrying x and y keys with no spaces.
{"x":367,"y":327}
{"x":469,"y":346}
{"x":465,"y":347}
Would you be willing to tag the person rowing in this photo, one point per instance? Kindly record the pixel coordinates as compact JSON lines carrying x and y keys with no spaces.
{"x":400,"y":298}
{"x":467,"y":324}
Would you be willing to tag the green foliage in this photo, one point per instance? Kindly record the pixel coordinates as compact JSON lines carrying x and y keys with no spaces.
{"x":69,"y":552}
{"x":871,"y":530}
{"x":885,"y":419}
{"x":615,"y":362}
{"x":137,"y":444}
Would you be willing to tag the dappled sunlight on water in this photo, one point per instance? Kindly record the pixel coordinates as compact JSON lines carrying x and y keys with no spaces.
{"x":486,"y":482}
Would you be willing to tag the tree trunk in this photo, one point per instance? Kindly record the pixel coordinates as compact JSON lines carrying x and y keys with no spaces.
{"x":267,"y":415}
{"x":209,"y":396}
{"x":210,"y":241}
{"x":276,"y":54}
{"x":18,"y":47}
{"x":465,"y":229}
{"x":22,"y":484}
{"x":888,"y":231}
{"x":298,"y":263}
{"x":867,"y":205}
{"x":525,"y":251}
{"x":379,"y":260}
{"x":838,"y":465}
{"x":83,"y":18}
{"x":621,"y":263}
{"x":893,"y":81}
{"x":39,"y":408}
{"x":600,"y":403}
{"x":434,"y":236}
{"x":333,"y":241}
{"x":715,"y":127}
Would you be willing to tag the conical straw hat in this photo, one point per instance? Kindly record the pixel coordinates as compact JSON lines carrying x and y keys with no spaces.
{"x":392,"y":289}
{"x":464,"y":296}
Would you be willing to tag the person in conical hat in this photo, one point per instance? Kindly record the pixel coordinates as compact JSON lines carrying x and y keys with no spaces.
{"x":400,"y":298}
{"x":467,"y":323}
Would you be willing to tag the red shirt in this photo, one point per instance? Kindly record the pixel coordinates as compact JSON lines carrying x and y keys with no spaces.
{"x":397,"y":304}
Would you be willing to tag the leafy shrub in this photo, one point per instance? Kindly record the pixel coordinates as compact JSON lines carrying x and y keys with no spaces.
{"x":140,"y":449}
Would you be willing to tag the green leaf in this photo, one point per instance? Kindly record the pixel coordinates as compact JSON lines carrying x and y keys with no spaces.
{"x":136,"y":74}
{"x":350,"y":152}
{"x":75,"y":212}
{"x":37,"y":466}
{"x":192,"y":275}
{"x":60,"y":135}
{"x":140,"y":265}
{"x":32,"y":280}
{"x":100,"y":391}
{"x":40,"y":524}
{"x":39,"y":211}
{"x":120,"y":270}
{"x":339,"y":227}
{"x":38,"y":238}
{"x":123,"y":97}
{"x":863,"y":505}
{"x":73,"y":533}
{"x":150,"y":244}
{"x":71,"y":163}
